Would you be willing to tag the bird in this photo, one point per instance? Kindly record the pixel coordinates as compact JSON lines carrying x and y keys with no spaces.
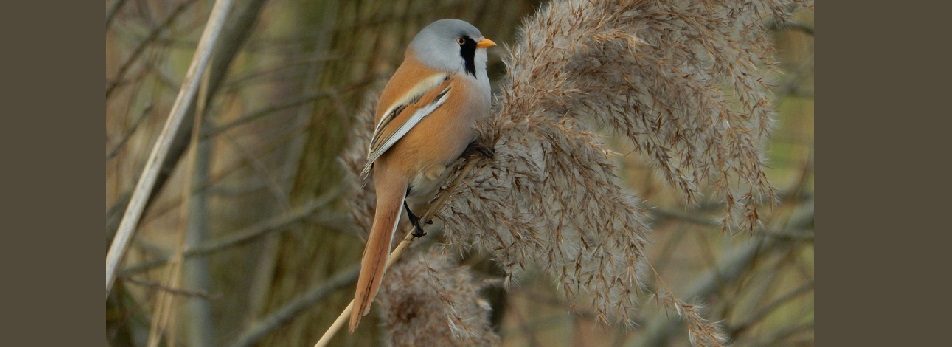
{"x":425,"y":118}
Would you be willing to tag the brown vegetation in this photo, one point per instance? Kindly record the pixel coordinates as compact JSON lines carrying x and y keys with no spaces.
{"x":595,"y":98}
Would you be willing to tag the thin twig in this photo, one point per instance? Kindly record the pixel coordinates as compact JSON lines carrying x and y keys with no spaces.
{"x":233,"y":36}
{"x":262,"y":327}
{"x":245,"y":235}
{"x":137,"y":51}
{"x":398,"y":251}
{"x":218,"y":177}
{"x":143,"y":187}
{"x":709,"y":334}
{"x":730,"y":268}
{"x":163,"y":306}
{"x":301,"y":100}
{"x":111,"y":14}
{"x":264,"y":112}
{"x":769,"y":308}
{"x":756,"y":294}
{"x":173,"y":291}
{"x":244,"y":79}
{"x":260,"y":169}
{"x":125,"y":137}
{"x":665,"y":214}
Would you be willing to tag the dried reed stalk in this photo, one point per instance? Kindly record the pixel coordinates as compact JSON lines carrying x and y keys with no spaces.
{"x":193,"y":215}
{"x":143,"y":189}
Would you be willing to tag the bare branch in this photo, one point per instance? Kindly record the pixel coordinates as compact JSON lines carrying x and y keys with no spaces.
{"x":125,"y":137}
{"x":246,"y":235}
{"x":136,"y":52}
{"x":111,"y":13}
{"x":769,"y":308}
{"x":304,"y":99}
{"x":289,"y":311}
{"x":733,"y":265}
{"x":659,"y":330}
{"x":173,"y":291}
{"x":661,"y":215}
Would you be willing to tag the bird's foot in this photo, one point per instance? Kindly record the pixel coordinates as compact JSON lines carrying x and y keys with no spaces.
{"x":417,"y":228}
{"x":418,"y":231}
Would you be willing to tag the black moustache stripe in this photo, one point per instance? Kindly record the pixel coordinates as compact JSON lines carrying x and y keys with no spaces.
{"x":468,"y":51}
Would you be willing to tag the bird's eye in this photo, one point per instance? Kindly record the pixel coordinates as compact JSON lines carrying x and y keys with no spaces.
{"x":461,"y":41}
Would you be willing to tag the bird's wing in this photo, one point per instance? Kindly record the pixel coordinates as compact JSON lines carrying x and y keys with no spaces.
{"x":403,"y":114}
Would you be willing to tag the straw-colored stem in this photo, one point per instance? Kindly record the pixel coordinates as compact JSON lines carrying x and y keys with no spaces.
{"x":398,"y":251}
{"x":143,"y":189}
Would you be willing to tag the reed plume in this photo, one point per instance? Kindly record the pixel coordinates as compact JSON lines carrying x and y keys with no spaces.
{"x":429,"y":300}
{"x":685,"y":81}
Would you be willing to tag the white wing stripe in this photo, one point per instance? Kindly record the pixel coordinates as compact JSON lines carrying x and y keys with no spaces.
{"x":404,"y":129}
{"x":416,"y":92}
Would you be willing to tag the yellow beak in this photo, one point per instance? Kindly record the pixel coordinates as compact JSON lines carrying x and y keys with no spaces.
{"x":485,"y":43}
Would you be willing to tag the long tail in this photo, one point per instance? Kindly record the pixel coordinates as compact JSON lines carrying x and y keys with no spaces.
{"x":386,"y":218}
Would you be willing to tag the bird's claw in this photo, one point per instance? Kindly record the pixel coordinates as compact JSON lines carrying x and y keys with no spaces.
{"x":418,"y":232}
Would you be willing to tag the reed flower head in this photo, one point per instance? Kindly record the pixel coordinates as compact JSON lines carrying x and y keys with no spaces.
{"x":685,"y":81}
{"x":429,"y":300}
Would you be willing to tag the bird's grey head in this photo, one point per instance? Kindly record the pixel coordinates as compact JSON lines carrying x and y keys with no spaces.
{"x":452,"y":45}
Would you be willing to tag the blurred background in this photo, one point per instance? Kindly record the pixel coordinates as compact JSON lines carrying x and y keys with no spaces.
{"x":256,"y":196}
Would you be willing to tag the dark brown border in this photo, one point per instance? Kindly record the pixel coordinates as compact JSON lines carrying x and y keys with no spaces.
{"x":877,"y":152}
{"x":882,"y":131}
{"x":53,"y":173}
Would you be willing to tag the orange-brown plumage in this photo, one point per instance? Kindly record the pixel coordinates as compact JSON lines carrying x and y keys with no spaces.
{"x":446,"y":103}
